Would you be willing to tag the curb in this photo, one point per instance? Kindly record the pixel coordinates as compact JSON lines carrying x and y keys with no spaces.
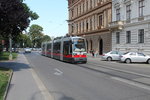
{"x":8,"y":84}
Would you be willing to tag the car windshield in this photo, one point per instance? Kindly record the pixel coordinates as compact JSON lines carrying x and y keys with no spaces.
{"x":79,"y":45}
{"x":113,"y":52}
{"x":125,"y":53}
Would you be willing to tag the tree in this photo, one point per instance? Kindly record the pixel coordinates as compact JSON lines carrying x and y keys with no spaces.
{"x":46,"y":38}
{"x":22,"y":40}
{"x":37,"y":36}
{"x":35,"y":33}
{"x":15,"y":17}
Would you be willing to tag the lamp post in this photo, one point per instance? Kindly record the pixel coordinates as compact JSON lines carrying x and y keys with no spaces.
{"x":10,"y":47}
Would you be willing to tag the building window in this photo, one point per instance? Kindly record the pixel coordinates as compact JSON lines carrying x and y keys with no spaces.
{"x":117,"y":37}
{"x":80,"y":27}
{"x":83,"y":26}
{"x":72,"y":28}
{"x":72,"y":12}
{"x":87,"y":6}
{"x":90,"y":23}
{"x":83,"y":7}
{"x":87,"y":25}
{"x":91,"y":4}
{"x":141,"y":8}
{"x":118,"y":14}
{"x":100,"y":20}
{"x":128,"y":12}
{"x":141,"y":36}
{"x":77,"y":10}
{"x":77,"y":27}
{"x":128,"y":37}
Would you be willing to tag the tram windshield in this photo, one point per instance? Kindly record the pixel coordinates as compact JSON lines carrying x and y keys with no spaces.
{"x":79,"y":45}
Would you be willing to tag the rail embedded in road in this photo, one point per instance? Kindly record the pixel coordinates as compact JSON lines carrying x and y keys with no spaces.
{"x":130,"y":77}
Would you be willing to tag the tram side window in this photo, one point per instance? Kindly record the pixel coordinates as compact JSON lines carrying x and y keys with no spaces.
{"x":57,"y":47}
{"x":43,"y":48}
{"x":67,"y":48}
{"x":49,"y":47}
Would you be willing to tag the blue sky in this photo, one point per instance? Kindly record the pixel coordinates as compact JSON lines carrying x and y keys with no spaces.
{"x":53,"y":15}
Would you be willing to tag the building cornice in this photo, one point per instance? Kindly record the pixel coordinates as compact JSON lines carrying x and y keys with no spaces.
{"x":75,"y":3}
{"x":137,"y":23}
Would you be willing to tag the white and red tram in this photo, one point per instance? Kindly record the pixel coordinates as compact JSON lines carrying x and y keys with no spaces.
{"x":69,"y":49}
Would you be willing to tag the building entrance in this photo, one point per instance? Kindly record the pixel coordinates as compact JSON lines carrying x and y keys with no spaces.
{"x":101,"y":46}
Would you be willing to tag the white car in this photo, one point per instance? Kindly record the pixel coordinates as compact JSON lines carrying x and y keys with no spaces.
{"x":27,"y":50}
{"x":112,"y":55}
{"x":135,"y":57}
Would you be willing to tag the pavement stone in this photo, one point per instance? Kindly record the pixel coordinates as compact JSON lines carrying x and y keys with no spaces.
{"x":23,"y":85}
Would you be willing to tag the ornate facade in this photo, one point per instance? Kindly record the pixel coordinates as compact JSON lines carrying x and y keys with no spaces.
{"x":131,"y":25}
{"x":90,"y":19}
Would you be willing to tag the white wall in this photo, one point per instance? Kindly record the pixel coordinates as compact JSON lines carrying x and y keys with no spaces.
{"x":133,"y":26}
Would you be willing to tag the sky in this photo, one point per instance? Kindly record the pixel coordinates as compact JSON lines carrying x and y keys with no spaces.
{"x":52,"y":16}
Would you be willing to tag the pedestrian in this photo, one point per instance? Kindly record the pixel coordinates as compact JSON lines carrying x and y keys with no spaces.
{"x":96,"y":53}
{"x":92,"y":51}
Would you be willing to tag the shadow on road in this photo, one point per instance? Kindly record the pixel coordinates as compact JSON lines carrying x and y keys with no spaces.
{"x":60,"y":96}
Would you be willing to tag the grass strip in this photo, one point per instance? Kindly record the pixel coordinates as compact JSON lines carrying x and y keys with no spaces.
{"x":5,"y":56}
{"x":4,"y":77}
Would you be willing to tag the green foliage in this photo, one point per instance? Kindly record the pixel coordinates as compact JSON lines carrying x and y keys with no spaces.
{"x":37,"y":36}
{"x":4,"y":76}
{"x":15,"y":17}
{"x":25,"y":39}
{"x":33,"y":15}
{"x":5,"y":55}
{"x":35,"y":29}
{"x":35,"y":32}
{"x":46,"y":38}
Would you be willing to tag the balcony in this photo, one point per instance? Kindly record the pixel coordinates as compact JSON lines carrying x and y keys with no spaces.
{"x":116,"y":25}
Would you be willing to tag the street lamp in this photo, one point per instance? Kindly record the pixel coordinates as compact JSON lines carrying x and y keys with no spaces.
{"x":10,"y":47}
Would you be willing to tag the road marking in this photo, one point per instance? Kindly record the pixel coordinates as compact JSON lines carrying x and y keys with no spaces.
{"x":44,"y":91}
{"x":58,"y":72}
{"x":140,"y":85}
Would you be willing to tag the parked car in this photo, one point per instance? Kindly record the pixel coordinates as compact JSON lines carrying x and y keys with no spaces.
{"x":135,"y":57}
{"x":27,"y":50}
{"x":112,"y":55}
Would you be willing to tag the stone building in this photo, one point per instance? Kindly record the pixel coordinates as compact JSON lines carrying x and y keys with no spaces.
{"x":131,"y":25}
{"x":90,"y":19}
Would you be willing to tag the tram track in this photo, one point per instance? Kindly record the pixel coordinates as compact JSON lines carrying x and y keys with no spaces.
{"x":120,"y":70}
{"x":119,"y":74}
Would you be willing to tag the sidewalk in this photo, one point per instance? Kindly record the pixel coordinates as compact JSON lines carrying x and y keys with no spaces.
{"x":89,"y":55}
{"x":23,"y":86}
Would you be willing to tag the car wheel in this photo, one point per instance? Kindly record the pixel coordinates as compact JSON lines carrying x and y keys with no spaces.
{"x":148,"y":61}
{"x":128,"y":61}
{"x":109,"y":59}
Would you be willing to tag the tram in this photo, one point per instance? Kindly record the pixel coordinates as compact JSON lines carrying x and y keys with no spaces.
{"x":69,"y":49}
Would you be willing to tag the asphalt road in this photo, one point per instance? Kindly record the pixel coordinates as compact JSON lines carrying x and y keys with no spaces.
{"x":79,"y":82}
